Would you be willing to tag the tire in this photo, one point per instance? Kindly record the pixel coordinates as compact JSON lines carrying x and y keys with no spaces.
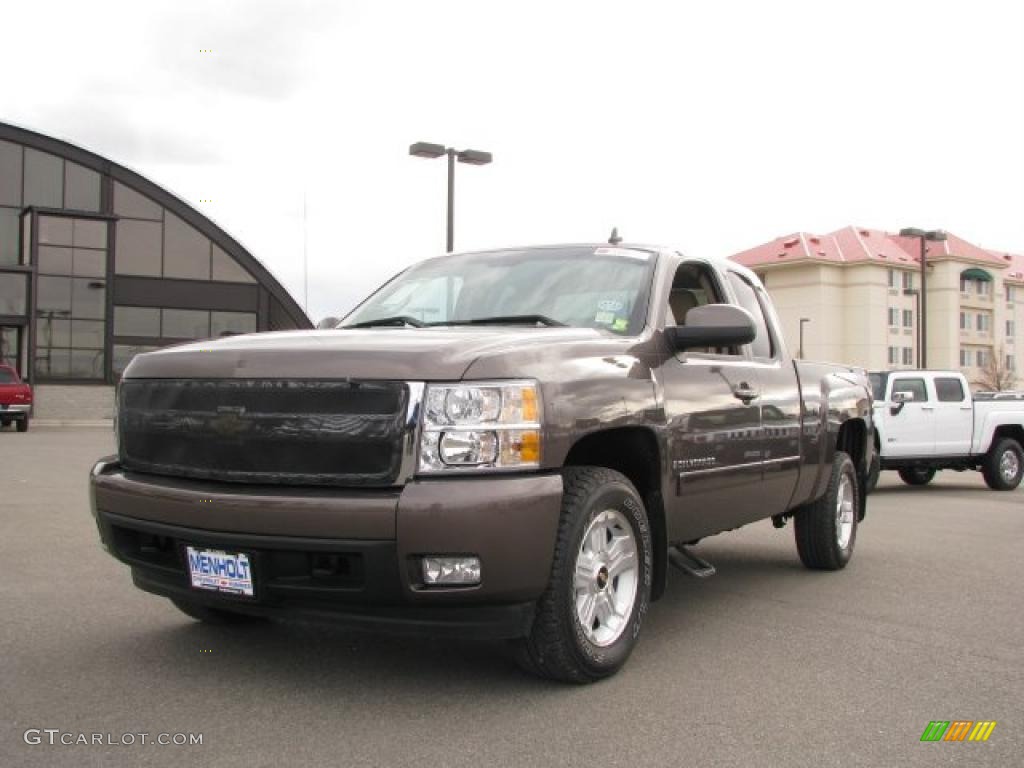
{"x":5,"y":422}
{"x":917,"y":475}
{"x":1003,"y":467}
{"x":23,"y":424}
{"x":208,"y":615}
{"x":874,"y":473}
{"x":826,"y":529}
{"x":599,"y":506}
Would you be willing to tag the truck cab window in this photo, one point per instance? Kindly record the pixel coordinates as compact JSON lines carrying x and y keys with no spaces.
{"x":914,"y":387}
{"x":762,"y":345}
{"x":949,"y":390}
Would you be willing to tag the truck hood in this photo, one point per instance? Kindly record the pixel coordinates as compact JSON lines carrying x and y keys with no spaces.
{"x":435,"y":354}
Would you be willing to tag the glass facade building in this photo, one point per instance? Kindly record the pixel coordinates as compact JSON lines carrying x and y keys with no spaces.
{"x":98,"y":264}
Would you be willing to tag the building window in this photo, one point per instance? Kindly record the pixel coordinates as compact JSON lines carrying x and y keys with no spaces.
{"x":908,"y":356}
{"x":123,"y":354}
{"x":893,"y":279}
{"x":908,"y":318}
{"x":137,"y":321}
{"x":9,"y":229}
{"x":984,"y":288}
{"x":894,"y":355}
{"x":965,"y":321}
{"x":964,"y":285}
{"x":10,"y":174}
{"x":44,"y":179}
{"x":965,"y":358}
{"x":81,"y":188}
{"x":1011,"y":329}
{"x":226,"y":269}
{"x":894,"y":317}
{"x":908,"y":280}
{"x":981,"y":358}
{"x":230,"y":323}
{"x":186,"y":252}
{"x":185,"y":324}
{"x":984,"y":323}
{"x":13,"y":292}
{"x":1011,"y":294}
{"x":137,"y":250}
{"x":1011,"y":363}
{"x":130,"y":204}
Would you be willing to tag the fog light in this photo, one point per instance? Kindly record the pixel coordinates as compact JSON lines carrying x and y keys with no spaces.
{"x":451,"y":570}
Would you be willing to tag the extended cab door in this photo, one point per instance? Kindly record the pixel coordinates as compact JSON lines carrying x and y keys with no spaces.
{"x":909,"y":425}
{"x":712,"y":405}
{"x":954,"y":417}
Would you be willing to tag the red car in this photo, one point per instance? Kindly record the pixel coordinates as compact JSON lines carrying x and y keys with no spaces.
{"x":15,"y":399}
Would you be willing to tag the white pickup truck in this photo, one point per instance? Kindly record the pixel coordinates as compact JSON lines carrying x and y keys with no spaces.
{"x":928,"y":420}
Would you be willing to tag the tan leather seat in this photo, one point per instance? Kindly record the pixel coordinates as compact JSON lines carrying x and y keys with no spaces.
{"x":681,"y":301}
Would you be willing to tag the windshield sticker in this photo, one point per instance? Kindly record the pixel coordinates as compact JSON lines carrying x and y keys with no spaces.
{"x":627,"y":252}
{"x":609,"y":305}
{"x":604,"y":317}
{"x":620,"y":324}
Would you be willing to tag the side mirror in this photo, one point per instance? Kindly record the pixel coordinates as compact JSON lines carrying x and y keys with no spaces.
{"x":713,"y":325}
{"x":899,"y":399}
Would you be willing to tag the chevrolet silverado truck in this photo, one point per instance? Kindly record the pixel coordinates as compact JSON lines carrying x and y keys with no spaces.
{"x":513,"y":444}
{"x":15,"y":399}
{"x":926,"y":421}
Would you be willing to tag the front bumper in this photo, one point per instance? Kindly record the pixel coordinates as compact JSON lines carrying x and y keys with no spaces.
{"x":343,"y":554}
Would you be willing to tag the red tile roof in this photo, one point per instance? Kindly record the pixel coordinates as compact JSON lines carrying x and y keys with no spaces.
{"x":859,"y":244}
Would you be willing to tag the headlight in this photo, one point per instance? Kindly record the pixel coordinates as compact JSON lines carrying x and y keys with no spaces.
{"x":480,"y":425}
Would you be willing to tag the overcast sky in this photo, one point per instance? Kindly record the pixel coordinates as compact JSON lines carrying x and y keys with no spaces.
{"x":709,"y":126}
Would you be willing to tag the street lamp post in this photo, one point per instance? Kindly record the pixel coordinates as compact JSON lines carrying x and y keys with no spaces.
{"x":916,"y":293}
{"x":468,"y":156}
{"x":803,"y":320}
{"x":923,"y":236}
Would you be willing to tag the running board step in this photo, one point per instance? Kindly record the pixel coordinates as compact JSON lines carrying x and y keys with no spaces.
{"x":687,"y":562}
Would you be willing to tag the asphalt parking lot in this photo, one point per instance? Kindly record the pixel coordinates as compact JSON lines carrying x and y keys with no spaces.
{"x":766,"y":664}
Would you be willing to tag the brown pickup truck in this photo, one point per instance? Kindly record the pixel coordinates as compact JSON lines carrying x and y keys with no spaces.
{"x":509,"y":444}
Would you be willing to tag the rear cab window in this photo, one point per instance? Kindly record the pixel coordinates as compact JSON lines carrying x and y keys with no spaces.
{"x":949,"y":389}
{"x":762,"y":346}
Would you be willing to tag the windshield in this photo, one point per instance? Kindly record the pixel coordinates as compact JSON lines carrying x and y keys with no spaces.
{"x":582,"y":287}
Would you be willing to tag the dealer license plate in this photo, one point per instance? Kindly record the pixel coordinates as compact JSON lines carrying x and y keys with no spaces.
{"x":219,"y":571}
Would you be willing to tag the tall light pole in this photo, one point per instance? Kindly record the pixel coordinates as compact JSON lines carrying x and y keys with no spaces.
{"x":924,"y":236}
{"x":803,"y":320}
{"x":916,"y":293}
{"x":468,"y":156}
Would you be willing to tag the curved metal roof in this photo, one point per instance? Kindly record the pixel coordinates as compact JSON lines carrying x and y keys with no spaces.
{"x":171,"y":202}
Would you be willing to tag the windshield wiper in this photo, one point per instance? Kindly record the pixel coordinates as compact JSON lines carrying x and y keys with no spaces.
{"x":507,"y":320}
{"x":395,"y":320}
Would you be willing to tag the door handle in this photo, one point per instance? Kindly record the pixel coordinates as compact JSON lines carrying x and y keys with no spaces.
{"x":745,"y":392}
{"x":927,"y":407}
{"x":966,"y":407}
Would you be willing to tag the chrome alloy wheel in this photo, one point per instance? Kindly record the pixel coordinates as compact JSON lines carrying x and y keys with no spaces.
{"x":606,"y":577}
{"x":844,"y":512}
{"x":1009,"y":465}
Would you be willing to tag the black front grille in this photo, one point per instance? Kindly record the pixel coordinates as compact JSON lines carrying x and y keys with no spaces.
{"x":264,"y":431}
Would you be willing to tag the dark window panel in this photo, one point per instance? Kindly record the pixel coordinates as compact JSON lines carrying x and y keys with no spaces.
{"x":227,"y":269}
{"x":13,"y":293}
{"x":53,"y":363}
{"x":9,"y":347}
{"x":52,"y":330}
{"x":123,"y":354}
{"x":90,"y":263}
{"x":136,"y":321}
{"x":81,"y":188}
{"x":128,"y":202}
{"x":87,"y":334}
{"x":44,"y":179}
{"x":186,"y":324}
{"x":88,"y":298}
{"x":53,"y":295}
{"x":9,"y":228}
{"x":86,"y":364}
{"x":137,"y":248}
{"x":90,"y":233}
{"x":54,"y":260}
{"x":26,"y":238}
{"x":232,"y":322}
{"x":55,"y":230}
{"x":10,"y":174}
{"x":186,"y":251}
{"x":185,"y":294}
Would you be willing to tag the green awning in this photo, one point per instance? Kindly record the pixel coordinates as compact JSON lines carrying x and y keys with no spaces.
{"x":976,"y":274}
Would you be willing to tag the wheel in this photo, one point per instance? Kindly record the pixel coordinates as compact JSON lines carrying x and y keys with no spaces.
{"x":588,"y":619}
{"x":208,"y":615}
{"x":1003,"y":467}
{"x":23,"y":424}
{"x":917,"y":475}
{"x":873,"y":474}
{"x":826,"y":529}
{"x":5,"y":422}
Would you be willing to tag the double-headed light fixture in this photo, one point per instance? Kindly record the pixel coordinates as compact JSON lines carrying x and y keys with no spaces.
{"x":467,"y":156}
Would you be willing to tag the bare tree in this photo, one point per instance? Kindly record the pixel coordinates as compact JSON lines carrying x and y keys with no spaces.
{"x":995,"y":375}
